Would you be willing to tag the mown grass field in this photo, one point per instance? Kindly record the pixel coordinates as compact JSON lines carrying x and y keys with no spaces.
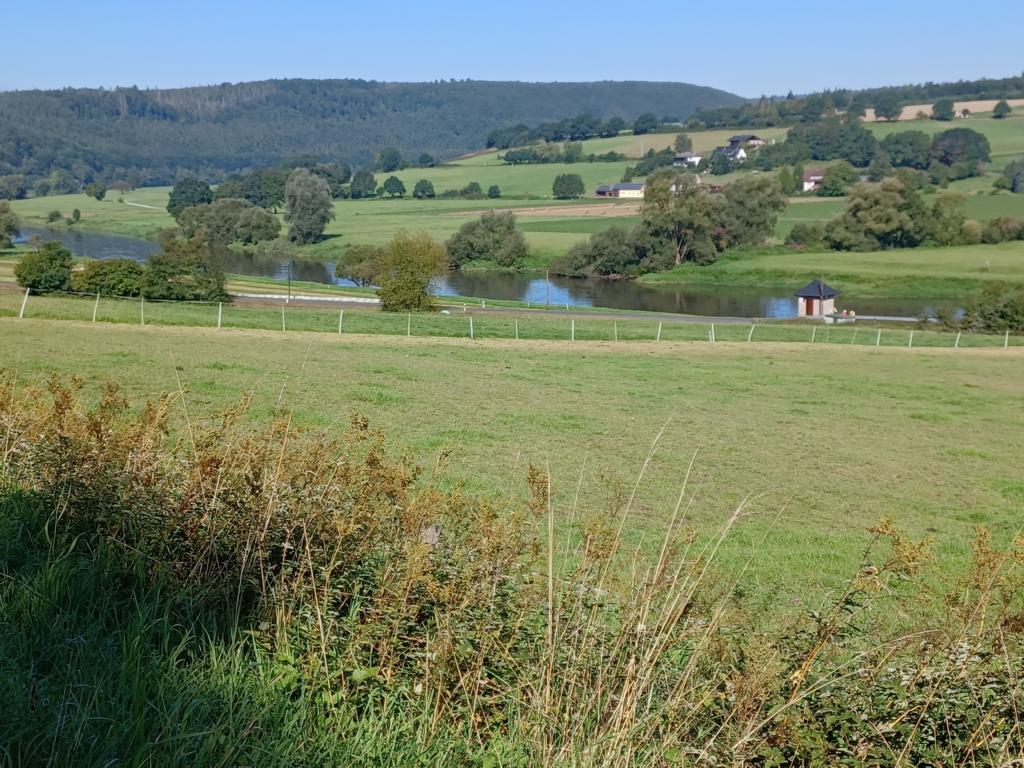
{"x":820,"y":442}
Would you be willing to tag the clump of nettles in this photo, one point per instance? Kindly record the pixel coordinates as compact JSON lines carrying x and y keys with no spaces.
{"x":525,"y":631}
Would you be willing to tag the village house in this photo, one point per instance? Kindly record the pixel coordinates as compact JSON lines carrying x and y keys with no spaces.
{"x":815,"y":300}
{"x":812,"y":180}
{"x":746,"y":140}
{"x":633,"y":190}
{"x":736,"y":153}
{"x":687,"y":158}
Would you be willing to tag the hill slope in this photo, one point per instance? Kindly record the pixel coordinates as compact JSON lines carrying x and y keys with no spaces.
{"x":152,"y":134}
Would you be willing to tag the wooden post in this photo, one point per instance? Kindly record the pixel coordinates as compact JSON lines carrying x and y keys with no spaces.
{"x":615,"y":329}
{"x":96,"y":306}
{"x":142,"y":310}
{"x":572,"y":331}
{"x":814,"y":331}
{"x":956,"y":344}
{"x":471,"y":327}
{"x":751,"y":334}
{"x":341,"y":319}
{"x":220,"y":310}
{"x":24,"y":301}
{"x":878,"y":338}
{"x":910,"y":341}
{"x":408,"y":324}
{"x":283,"y":328}
{"x":1006,"y":340}
{"x":712,"y":333}
{"x":517,"y":329}
{"x":659,"y":331}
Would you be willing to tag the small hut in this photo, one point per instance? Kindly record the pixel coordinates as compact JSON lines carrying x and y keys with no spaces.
{"x":816,"y":300}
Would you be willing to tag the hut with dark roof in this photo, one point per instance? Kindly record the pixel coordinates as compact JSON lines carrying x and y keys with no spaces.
{"x":816,"y":300}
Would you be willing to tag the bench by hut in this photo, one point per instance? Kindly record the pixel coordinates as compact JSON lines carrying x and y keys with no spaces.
{"x":816,"y":300}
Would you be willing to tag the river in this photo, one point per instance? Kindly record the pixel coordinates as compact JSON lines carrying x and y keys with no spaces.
{"x":558,"y":291}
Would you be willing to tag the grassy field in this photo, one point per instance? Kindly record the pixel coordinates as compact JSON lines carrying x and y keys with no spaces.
{"x":1006,"y":136}
{"x":953,"y":272}
{"x":825,"y":440}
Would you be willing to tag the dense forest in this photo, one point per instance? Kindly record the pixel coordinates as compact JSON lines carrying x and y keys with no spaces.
{"x":155,"y":136}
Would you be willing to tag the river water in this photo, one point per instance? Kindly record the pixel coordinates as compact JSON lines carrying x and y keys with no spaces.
{"x":558,"y":291}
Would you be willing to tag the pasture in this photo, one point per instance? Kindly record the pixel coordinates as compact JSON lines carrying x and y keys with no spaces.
{"x":818,"y":443}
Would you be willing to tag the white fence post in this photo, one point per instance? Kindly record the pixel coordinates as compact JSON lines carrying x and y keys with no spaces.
{"x":878,"y":338}
{"x":910,"y":341}
{"x":283,"y":328}
{"x":24,"y":301}
{"x":142,"y":310}
{"x":712,"y":333}
{"x":220,"y":312}
{"x":1006,"y":340}
{"x":471,"y":327}
{"x":751,"y":334}
{"x":96,"y":306}
{"x":517,"y":329}
{"x":659,"y":331}
{"x":408,"y":324}
{"x":854,"y":339}
{"x":341,"y":319}
{"x":572,"y":330}
{"x":956,"y":344}
{"x":615,"y":329}
{"x":814,"y":332}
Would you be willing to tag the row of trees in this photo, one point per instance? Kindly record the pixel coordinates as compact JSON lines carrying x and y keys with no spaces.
{"x":186,"y":269}
{"x":894,"y":214}
{"x":574,"y":129}
{"x":681,"y":221}
{"x":569,"y":152}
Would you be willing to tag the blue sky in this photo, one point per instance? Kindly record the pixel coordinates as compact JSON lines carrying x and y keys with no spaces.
{"x":748,"y":48}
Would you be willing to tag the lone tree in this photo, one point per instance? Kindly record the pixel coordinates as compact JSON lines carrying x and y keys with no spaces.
{"x":943,"y":110}
{"x":393,"y":187}
{"x":1002,"y":110}
{"x":683,"y":143}
{"x":363,"y":185}
{"x":308,"y":206}
{"x":186,"y":193}
{"x":95,"y":189}
{"x":407,"y":264}
{"x":424,"y":190}
{"x":45,"y":270}
{"x":494,"y":191}
{"x":426,"y":160}
{"x":388,"y":159}
{"x":888,"y":107}
{"x":568,"y":186}
{"x":360,"y":264}
{"x":682,"y":214}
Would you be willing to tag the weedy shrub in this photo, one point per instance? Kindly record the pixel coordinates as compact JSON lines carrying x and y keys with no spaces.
{"x":361,"y":594}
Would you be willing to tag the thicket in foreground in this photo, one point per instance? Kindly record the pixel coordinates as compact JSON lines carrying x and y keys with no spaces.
{"x":240,"y":594}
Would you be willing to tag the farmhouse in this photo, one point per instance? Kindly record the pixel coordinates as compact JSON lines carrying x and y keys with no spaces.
{"x":816,"y":300}
{"x":734,"y":152}
{"x":746,"y":140}
{"x":687,"y":158}
{"x":812,"y":179}
{"x":624,"y":190}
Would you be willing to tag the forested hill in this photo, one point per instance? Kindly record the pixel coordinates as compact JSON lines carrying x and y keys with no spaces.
{"x":150,"y":136}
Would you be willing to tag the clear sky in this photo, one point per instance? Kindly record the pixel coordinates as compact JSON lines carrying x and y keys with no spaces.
{"x":748,"y":48}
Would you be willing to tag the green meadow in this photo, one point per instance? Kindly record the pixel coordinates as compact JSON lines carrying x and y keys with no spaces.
{"x":818,"y":443}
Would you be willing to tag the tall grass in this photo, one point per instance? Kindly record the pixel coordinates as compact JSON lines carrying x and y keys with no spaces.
{"x":243,"y":595}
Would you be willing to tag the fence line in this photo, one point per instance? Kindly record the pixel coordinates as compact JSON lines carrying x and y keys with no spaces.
{"x":76,"y":306}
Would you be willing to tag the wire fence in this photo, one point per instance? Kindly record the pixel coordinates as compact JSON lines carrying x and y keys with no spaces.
{"x":291,"y":317}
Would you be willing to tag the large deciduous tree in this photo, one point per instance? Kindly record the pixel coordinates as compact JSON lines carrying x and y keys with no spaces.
{"x":424,"y":190}
{"x":363,"y":185}
{"x":388,"y":159}
{"x":407,"y":264}
{"x":308,"y":206}
{"x":568,"y":186}
{"x":888,"y":107}
{"x":360,"y":264}
{"x":1002,"y":110}
{"x":186,"y":193}
{"x":943,"y":110}
{"x":45,"y":270}
{"x":8,"y":224}
{"x":752,"y":209}
{"x":393,"y":187}
{"x":681,"y":212}
{"x":646,"y":123}
{"x":493,"y":237}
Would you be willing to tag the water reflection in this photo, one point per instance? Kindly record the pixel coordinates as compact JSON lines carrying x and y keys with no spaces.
{"x":614,"y":294}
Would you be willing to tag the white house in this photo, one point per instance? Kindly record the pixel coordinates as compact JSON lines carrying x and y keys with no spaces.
{"x":734,"y":152}
{"x":812,"y":180}
{"x":687,"y":158}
